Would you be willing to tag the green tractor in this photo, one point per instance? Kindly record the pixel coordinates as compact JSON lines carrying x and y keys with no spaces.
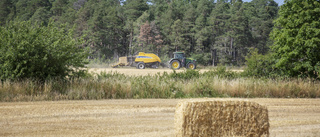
{"x":180,"y":60}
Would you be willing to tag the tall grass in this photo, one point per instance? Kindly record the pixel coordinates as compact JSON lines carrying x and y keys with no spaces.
{"x":214,"y":83}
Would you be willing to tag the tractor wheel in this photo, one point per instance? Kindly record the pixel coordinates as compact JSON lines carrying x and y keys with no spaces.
{"x":191,"y":65}
{"x":175,"y":64}
{"x":141,"y":65}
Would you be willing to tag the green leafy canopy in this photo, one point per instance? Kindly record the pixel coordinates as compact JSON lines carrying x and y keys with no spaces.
{"x":296,"y":38}
{"x":39,"y":52}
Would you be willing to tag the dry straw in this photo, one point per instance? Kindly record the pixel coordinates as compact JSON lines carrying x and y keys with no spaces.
{"x":220,"y":118}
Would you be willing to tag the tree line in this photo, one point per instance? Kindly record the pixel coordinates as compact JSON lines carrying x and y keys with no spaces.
{"x":212,"y":31}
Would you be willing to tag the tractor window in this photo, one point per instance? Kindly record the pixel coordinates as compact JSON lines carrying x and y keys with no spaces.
{"x":179,"y":56}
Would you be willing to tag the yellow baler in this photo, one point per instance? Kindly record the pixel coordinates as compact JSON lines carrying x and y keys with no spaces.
{"x":147,"y":60}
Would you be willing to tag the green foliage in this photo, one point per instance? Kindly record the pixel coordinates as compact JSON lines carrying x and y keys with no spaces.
{"x":221,"y":72}
{"x":104,"y":75}
{"x":177,"y":40}
{"x":41,"y":16}
{"x":296,"y":38}
{"x":135,"y":8}
{"x":5,"y":10}
{"x":203,"y":59}
{"x":259,"y":65}
{"x":104,"y":29}
{"x":261,"y":14}
{"x":188,"y":74}
{"x":58,"y":7}
{"x":39,"y":52}
{"x":222,"y":30}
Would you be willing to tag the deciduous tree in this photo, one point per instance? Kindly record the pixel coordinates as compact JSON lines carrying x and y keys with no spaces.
{"x":297,"y":38}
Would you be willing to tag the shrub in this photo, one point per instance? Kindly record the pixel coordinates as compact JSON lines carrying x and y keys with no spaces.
{"x":221,"y":72}
{"x":203,"y":58}
{"x":188,"y":74}
{"x":259,"y":65}
{"x":39,"y":52}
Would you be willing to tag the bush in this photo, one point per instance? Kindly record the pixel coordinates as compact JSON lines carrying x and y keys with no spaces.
{"x":188,"y":74}
{"x":203,"y":58}
{"x":39,"y":52}
{"x":221,"y":72}
{"x":259,"y":65}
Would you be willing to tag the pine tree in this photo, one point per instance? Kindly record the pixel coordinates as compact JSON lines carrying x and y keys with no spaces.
{"x":133,"y":9}
{"x":238,"y":32}
{"x":177,"y":36}
{"x":22,"y":11}
{"x":189,"y":23}
{"x":201,"y":28}
{"x":262,"y":13}
{"x":105,"y":30}
{"x":42,"y":15}
{"x":219,"y":20}
{"x":5,"y":9}
{"x":59,"y":7}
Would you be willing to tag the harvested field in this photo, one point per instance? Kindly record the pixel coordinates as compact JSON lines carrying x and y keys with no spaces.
{"x":141,"y":72}
{"x":145,"y":117}
{"x":133,"y":71}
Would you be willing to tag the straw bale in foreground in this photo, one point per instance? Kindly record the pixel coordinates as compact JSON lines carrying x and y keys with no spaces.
{"x":221,"y":118}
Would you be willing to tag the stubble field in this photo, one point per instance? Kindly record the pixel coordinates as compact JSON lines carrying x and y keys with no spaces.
{"x":130,"y":71}
{"x":143,"y":117}
{"x":139,"y":117}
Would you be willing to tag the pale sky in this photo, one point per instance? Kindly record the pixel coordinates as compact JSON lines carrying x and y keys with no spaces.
{"x":280,"y":2}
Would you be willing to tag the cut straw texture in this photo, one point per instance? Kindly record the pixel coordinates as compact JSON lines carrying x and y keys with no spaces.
{"x":220,"y":118}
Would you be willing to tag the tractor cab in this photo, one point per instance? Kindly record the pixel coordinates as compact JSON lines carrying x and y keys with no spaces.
{"x":178,"y":55}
